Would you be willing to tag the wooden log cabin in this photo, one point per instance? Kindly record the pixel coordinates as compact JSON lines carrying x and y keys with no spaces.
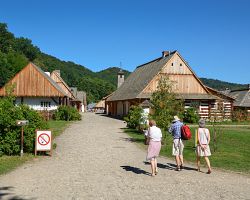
{"x":140,"y":85}
{"x":38,"y":89}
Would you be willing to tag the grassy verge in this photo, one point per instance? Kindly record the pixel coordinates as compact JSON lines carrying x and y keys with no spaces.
{"x":57,"y":127}
{"x":230,"y":148}
{"x":8,"y":163}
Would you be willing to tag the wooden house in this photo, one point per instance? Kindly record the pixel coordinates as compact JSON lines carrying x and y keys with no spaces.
{"x":140,"y":85}
{"x":100,"y":106}
{"x":80,"y":101}
{"x":242,"y":99}
{"x":38,"y":89}
{"x":76,"y":98}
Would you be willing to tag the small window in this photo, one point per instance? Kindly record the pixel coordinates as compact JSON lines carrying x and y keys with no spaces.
{"x":180,"y":64}
{"x":45,"y":104}
{"x":172,"y":64}
{"x":120,"y":76}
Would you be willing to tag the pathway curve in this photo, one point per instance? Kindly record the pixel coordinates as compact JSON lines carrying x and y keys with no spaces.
{"x":94,"y":159}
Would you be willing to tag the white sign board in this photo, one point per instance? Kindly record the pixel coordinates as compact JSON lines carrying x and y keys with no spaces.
{"x":43,"y":141}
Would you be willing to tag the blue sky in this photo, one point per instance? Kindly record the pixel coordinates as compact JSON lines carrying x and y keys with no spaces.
{"x":212,"y":36}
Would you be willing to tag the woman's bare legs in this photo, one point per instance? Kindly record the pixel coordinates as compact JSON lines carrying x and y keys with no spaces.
{"x":198,"y":162}
{"x":208,"y":164}
{"x":153,"y":166}
{"x":156,"y":169}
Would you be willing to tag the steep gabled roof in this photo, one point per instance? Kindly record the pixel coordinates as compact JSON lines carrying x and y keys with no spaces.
{"x":139,"y":79}
{"x":220,"y":94}
{"x":55,"y":75}
{"x":32,"y":81}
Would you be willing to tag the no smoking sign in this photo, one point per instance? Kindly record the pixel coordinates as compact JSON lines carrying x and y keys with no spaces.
{"x":43,"y":140}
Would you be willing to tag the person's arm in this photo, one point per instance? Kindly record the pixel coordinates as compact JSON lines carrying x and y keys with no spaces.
{"x":161,"y":134}
{"x":198,"y":137}
{"x":170,"y":129}
{"x":148,"y":135}
{"x":208,"y":136}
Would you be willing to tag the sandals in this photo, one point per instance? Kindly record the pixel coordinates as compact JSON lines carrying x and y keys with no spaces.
{"x":178,"y":169}
{"x":209,"y":171}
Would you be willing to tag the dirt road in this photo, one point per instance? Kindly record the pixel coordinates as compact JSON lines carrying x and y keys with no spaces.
{"x":94,"y":159}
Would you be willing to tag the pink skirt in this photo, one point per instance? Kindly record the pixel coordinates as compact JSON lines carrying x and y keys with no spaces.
{"x":153,"y":149}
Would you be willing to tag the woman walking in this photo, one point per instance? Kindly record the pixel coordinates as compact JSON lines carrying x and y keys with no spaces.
{"x":154,"y":137}
{"x":202,"y":149}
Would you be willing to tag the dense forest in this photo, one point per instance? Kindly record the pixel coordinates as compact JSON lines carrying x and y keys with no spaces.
{"x":15,"y":53}
{"x":222,"y":85}
{"x":110,"y":74}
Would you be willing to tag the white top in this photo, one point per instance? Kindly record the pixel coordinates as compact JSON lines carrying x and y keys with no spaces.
{"x":155,"y":133}
{"x":203,"y":135}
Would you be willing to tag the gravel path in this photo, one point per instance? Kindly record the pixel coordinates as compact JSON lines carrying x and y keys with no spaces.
{"x":94,"y":159}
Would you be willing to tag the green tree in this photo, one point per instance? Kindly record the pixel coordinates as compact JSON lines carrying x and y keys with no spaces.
{"x":165,"y":104}
{"x":134,"y":117}
{"x":25,"y":46}
{"x":10,"y":133}
{"x":6,"y":39}
{"x":191,"y":115}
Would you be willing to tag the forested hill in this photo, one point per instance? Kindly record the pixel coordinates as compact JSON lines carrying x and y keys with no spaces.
{"x":222,"y":85}
{"x":110,"y":74}
{"x":15,"y":53}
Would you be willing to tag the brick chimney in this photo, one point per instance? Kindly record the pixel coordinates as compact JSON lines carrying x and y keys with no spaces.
{"x":165,"y":54}
{"x":58,"y":72}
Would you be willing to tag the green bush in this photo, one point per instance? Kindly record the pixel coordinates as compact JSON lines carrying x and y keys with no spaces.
{"x":134,"y":117}
{"x":10,"y":133}
{"x":67,"y":113}
{"x":191,"y":116}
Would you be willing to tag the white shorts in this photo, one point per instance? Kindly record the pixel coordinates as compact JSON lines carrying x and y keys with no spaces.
{"x":178,"y":147}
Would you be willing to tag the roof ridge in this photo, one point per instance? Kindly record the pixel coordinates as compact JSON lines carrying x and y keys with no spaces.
{"x":148,"y":62}
{"x":49,"y":78}
{"x":171,"y":53}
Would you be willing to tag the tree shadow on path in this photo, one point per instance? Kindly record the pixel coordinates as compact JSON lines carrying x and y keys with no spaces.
{"x":135,"y":170}
{"x":170,"y":166}
{"x":6,"y":191}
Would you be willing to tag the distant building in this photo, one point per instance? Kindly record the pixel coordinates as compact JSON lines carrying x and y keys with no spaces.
{"x":140,"y":85}
{"x":91,"y":107}
{"x":242,"y":99}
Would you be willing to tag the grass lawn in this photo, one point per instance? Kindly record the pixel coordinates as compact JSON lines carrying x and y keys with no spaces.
{"x":230,"y":151}
{"x":8,"y":163}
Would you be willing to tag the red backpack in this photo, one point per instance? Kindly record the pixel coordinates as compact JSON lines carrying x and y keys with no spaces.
{"x":185,"y":132}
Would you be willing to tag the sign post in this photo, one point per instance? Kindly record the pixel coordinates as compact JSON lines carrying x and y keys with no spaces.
{"x":22,"y":123}
{"x":43,"y":141}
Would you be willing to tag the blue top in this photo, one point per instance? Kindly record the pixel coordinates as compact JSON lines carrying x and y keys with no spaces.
{"x":175,"y":129}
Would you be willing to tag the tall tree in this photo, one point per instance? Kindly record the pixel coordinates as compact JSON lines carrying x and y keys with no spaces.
{"x":25,"y":46}
{"x":6,"y":38}
{"x":165,"y":104}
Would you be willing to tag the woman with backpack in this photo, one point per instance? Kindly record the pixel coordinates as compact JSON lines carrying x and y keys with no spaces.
{"x":202,"y":149}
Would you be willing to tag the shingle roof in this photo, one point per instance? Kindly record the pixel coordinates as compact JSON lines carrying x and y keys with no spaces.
{"x":242,"y":98}
{"x":139,"y":79}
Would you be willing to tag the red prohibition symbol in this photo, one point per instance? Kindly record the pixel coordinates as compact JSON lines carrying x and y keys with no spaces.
{"x":43,"y":139}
